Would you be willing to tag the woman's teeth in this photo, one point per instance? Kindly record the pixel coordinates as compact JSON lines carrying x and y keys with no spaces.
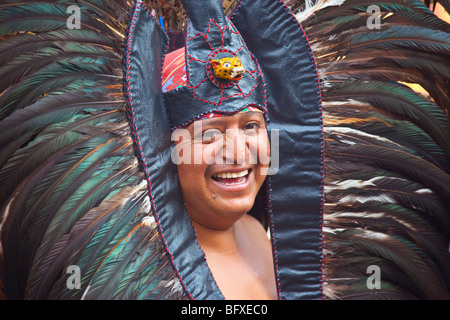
{"x":230,"y":178}
{"x":231,"y":174}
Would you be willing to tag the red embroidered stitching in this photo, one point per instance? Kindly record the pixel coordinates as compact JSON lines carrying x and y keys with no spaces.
{"x":209,"y":75}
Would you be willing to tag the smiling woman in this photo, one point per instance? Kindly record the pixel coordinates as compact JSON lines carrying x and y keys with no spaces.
{"x":218,"y":195}
{"x":227,"y":187}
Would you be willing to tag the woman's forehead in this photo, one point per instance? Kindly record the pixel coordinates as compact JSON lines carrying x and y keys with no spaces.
{"x":219,"y":115}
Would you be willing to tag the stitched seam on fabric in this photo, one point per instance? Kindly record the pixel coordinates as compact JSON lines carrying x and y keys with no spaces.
{"x":272,"y":238}
{"x":135,"y":135}
{"x":236,"y":9}
{"x":319,"y":93}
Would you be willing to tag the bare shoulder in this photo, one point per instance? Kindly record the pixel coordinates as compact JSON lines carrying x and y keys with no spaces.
{"x":261,"y":259}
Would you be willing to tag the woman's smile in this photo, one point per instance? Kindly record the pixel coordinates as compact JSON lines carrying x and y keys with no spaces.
{"x":232,"y":180}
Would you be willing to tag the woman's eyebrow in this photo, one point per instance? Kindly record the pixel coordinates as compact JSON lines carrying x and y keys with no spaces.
{"x":253,"y":113}
{"x":225,"y":118}
{"x":217,"y":120}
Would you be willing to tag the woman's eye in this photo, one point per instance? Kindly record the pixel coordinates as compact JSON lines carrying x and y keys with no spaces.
{"x":252,"y":128}
{"x":210,"y":135}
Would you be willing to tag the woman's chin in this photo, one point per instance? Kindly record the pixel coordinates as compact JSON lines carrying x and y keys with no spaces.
{"x":234,"y":209}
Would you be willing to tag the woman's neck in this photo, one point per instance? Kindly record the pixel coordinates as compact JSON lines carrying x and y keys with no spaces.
{"x":240,"y":259}
{"x":224,"y":240}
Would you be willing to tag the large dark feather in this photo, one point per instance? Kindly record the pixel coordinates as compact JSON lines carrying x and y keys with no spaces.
{"x":71,"y":185}
{"x":387,"y":148}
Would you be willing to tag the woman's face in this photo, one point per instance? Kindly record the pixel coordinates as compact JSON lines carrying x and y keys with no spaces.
{"x":224,"y":162}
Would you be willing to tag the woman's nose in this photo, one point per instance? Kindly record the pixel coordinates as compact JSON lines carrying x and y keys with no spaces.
{"x":235,"y":147}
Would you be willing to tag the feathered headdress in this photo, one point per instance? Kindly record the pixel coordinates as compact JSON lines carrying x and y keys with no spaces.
{"x":280,"y":78}
{"x":77,"y":203}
